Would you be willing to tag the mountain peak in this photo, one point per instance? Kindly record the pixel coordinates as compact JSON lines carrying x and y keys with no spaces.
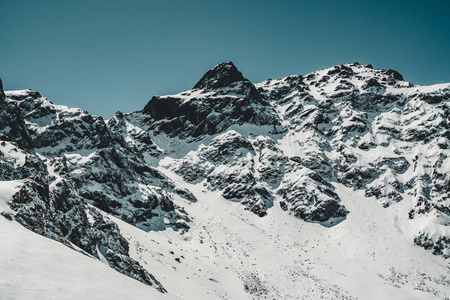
{"x":221,"y":75}
{"x":396,"y":75}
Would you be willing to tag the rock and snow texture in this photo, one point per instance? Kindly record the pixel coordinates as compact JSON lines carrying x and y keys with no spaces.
{"x":220,"y":99}
{"x":34,"y":267}
{"x":327,"y":185}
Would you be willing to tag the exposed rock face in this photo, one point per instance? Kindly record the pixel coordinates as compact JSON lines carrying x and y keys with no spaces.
{"x":370,"y":130}
{"x":74,"y":164}
{"x":311,"y":198}
{"x":222,"y":98}
{"x":54,"y":208}
{"x":2,"y":93}
{"x":228,"y":164}
{"x":220,"y":76}
{"x":12,"y":125}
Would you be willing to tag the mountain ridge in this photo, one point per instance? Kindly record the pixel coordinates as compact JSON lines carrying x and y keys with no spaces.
{"x":292,"y":146}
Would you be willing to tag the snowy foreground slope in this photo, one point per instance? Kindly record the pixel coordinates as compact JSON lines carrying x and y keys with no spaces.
{"x":34,"y":267}
{"x":332,"y":185}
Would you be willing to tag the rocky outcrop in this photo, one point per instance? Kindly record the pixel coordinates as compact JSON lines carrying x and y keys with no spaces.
{"x":370,"y":130}
{"x":250,"y":171}
{"x":76,"y":168}
{"x":221,"y":99}
{"x":227,"y":164}
{"x":220,"y":76}
{"x":54,"y":208}
{"x":62,"y":215}
{"x":2,"y":93}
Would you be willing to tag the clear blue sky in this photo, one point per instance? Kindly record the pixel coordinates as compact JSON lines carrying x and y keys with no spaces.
{"x":111,"y":55}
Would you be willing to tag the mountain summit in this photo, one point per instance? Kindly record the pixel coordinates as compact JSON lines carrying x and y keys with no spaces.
{"x":222,"y":75}
{"x":208,"y":109}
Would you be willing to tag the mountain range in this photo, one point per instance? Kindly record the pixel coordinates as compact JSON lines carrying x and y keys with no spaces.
{"x":329,"y":185}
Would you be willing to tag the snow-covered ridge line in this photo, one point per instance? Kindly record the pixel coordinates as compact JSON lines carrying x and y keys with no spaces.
{"x":208,"y":176}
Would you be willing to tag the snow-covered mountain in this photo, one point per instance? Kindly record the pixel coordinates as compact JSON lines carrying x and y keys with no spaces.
{"x":332,"y":185}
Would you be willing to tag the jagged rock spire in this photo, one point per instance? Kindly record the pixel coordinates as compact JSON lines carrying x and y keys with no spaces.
{"x":2,"y":93}
{"x":221,"y":75}
{"x":396,"y":75}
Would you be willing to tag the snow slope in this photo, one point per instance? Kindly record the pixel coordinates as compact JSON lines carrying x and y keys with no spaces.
{"x":35,"y":267}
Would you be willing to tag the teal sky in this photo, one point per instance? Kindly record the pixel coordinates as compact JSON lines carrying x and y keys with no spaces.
{"x":111,"y":55}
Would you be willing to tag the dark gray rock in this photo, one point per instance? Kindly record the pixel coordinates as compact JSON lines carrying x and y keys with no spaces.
{"x":2,"y":93}
{"x":224,"y":98}
{"x":220,"y":76}
{"x":396,"y":75}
